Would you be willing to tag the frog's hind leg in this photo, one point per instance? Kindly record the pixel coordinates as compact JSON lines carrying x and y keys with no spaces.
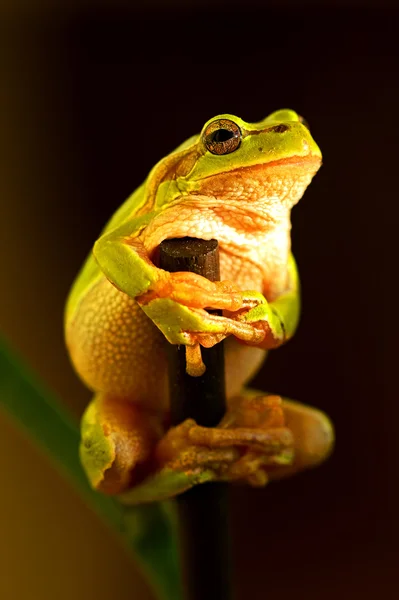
{"x":117,"y":438}
{"x":270,"y":437}
{"x":125,"y":451}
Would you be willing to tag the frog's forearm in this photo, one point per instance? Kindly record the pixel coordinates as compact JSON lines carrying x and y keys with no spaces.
{"x":280,"y":316}
{"x":287,"y":307}
{"x":123,"y":260}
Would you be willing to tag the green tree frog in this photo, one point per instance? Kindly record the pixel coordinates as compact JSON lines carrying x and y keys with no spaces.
{"x":235,"y":182}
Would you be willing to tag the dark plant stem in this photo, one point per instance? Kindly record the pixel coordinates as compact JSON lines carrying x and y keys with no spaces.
{"x":203,"y":510}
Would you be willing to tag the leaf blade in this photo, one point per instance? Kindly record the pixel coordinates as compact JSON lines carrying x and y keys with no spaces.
{"x":147,"y":531}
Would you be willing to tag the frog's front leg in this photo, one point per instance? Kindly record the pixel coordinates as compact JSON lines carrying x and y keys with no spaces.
{"x":256,"y":322}
{"x":276,"y":321}
{"x":175,"y":302}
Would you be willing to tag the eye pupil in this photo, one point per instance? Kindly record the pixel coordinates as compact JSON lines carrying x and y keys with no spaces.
{"x":222,"y":135}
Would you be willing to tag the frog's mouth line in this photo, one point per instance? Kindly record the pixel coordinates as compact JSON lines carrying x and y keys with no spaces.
{"x":308,"y":161}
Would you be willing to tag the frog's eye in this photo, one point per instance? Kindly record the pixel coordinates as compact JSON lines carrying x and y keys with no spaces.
{"x":222,"y":136}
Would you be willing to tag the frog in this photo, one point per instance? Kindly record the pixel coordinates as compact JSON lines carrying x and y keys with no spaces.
{"x":235,"y":182}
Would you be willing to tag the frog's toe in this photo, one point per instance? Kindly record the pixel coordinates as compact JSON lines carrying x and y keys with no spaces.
{"x":253,"y":466}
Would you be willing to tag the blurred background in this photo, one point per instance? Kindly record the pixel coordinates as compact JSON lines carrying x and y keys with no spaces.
{"x":91,"y":96}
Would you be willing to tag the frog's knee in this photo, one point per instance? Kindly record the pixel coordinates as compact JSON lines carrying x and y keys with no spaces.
{"x":97,"y":451}
{"x":117,"y":440}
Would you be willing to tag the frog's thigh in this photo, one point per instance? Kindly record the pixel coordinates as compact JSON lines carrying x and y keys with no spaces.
{"x":117,"y":439}
{"x":117,"y":349}
{"x":312,"y":430}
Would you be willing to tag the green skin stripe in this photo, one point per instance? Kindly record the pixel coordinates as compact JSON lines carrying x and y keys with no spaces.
{"x":147,"y":531}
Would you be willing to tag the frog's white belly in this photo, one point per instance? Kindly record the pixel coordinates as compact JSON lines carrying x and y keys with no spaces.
{"x":245,"y":274}
{"x":254,"y":251}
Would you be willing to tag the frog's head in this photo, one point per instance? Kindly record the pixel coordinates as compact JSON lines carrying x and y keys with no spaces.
{"x":261,"y":168}
{"x":234,"y":180}
{"x":273,"y":159}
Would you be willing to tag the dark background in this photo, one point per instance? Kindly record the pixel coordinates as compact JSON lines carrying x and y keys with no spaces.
{"x":90,"y":99}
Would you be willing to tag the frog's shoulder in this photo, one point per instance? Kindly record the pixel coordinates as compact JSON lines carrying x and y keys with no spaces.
{"x":90,"y":273}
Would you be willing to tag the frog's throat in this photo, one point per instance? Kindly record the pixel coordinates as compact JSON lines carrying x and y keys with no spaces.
{"x":247,"y":236}
{"x":169,"y":182}
{"x":308,"y":162}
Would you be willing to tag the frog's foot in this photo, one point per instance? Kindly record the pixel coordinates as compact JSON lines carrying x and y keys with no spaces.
{"x":117,"y":441}
{"x":195,"y":291}
{"x":251,"y":438}
{"x":251,"y":444}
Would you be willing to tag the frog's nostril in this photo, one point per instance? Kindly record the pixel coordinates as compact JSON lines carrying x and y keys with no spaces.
{"x":279,"y":128}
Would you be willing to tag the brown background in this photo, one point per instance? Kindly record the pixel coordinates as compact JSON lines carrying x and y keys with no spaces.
{"x":91,"y":97}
